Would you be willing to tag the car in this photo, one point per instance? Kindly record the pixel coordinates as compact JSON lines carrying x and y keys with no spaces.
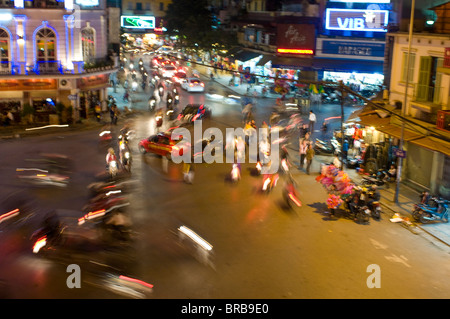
{"x":168,"y":71}
{"x":193,"y":85}
{"x":193,"y":112}
{"x":157,"y":61}
{"x":178,"y":77}
{"x":160,"y":144}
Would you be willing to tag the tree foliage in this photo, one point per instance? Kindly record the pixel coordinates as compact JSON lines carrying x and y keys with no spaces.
{"x":190,"y":20}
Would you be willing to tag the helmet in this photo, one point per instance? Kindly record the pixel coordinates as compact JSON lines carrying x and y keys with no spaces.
{"x":373,"y":187}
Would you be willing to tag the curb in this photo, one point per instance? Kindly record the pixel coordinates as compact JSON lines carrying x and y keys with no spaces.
{"x":413,"y":224}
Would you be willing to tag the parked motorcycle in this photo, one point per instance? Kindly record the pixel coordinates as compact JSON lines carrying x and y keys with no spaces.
{"x":322,"y":147}
{"x":425,"y":214}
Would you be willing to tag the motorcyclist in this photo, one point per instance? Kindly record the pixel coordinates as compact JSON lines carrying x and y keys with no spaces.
{"x":52,"y":225}
{"x":111,"y":156}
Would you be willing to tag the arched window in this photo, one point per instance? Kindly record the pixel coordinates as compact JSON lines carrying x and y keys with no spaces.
{"x":88,"y":44}
{"x":4,"y":50}
{"x":46,"y":45}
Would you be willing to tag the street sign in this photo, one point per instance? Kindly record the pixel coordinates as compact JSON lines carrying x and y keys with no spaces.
{"x":400,"y":153}
{"x":72,"y":97}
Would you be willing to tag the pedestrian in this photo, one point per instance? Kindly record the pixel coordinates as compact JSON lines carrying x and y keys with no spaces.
{"x":302,"y":150}
{"x":112,"y":111}
{"x":309,"y":157}
{"x":356,"y":147}
{"x":303,"y":130}
{"x":345,"y":150}
{"x":312,"y":121}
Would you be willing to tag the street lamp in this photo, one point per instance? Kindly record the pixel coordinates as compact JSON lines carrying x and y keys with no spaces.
{"x":403,"y":111}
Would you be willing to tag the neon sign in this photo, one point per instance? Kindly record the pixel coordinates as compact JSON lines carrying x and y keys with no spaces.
{"x":137,"y":22}
{"x":87,"y":3}
{"x":363,"y":1}
{"x":356,"y":20}
{"x":295,"y":51}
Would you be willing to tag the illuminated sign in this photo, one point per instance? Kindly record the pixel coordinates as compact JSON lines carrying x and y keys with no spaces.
{"x":356,"y":20}
{"x":296,"y":39}
{"x":295,"y":51}
{"x":372,"y":50}
{"x":87,"y":3}
{"x":137,"y":22}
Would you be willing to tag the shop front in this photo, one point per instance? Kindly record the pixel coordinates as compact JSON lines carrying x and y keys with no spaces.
{"x":358,"y":63}
{"x":92,"y":91}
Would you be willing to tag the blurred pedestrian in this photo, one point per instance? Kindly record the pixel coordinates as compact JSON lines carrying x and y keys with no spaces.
{"x":302,"y":150}
{"x":312,"y":120}
{"x":309,"y":157}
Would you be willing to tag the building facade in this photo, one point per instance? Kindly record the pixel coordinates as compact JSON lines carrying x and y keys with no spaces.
{"x":54,"y":52}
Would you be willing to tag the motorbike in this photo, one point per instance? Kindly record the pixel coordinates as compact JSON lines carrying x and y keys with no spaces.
{"x":235,"y":173}
{"x":290,"y":194}
{"x":363,"y":214}
{"x":112,"y":169}
{"x":151,"y":104}
{"x":322,"y":147}
{"x":425,"y":214}
{"x":285,"y":166}
{"x":374,"y":179}
{"x":375,"y":210}
{"x":105,"y":135}
{"x":45,"y":238}
{"x":269,"y":182}
{"x":125,"y":155}
{"x":159,"y":120}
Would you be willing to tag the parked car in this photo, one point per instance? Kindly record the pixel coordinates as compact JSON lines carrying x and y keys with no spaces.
{"x":193,"y":85}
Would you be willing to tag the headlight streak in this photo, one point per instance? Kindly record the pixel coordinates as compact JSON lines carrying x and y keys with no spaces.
{"x":195,"y":237}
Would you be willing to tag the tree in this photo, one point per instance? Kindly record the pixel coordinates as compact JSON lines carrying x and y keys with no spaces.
{"x":191,"y":21}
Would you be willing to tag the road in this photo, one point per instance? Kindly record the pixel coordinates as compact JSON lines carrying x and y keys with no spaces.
{"x":260,"y":249}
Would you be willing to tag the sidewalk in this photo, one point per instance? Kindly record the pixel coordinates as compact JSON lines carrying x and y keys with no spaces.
{"x":224,"y":77}
{"x":407,"y":197}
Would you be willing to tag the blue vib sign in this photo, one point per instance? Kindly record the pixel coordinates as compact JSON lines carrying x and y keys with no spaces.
{"x":356,"y":20}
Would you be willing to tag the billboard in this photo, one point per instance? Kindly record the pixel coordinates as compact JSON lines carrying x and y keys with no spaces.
{"x":137,"y":22}
{"x":296,"y":39}
{"x":356,"y":20}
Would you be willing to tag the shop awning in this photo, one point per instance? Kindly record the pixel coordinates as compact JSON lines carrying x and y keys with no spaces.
{"x":280,"y":62}
{"x":245,"y":55}
{"x":396,"y":131}
{"x":433,"y":144}
{"x":344,"y":65}
{"x":265,"y":58}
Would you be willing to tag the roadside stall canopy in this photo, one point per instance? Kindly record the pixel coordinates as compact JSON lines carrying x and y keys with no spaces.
{"x":434,"y":144}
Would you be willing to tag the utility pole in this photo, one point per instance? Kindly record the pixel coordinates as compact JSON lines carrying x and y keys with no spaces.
{"x":403,"y":111}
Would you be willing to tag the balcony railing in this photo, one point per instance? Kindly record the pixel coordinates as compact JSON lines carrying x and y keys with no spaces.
{"x":48,"y":67}
{"x":6,"y":67}
{"x":427,"y":93}
{"x":47,"y":4}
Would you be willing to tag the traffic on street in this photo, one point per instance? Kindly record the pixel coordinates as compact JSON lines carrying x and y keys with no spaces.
{"x":187,"y":187}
